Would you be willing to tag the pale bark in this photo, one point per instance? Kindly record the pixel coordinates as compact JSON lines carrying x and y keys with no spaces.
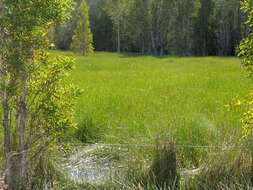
{"x":15,"y":156}
{"x":4,"y":102}
{"x":153,"y":42}
{"x":5,"y":120}
{"x":22,"y":121}
{"x":118,"y":38}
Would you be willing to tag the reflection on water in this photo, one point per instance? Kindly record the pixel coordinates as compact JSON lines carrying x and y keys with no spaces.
{"x":88,"y":166}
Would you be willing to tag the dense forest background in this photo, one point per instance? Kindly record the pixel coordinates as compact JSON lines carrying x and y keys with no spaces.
{"x":161,"y":27}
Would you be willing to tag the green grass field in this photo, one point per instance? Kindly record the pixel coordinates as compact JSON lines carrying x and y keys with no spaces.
{"x":136,"y":99}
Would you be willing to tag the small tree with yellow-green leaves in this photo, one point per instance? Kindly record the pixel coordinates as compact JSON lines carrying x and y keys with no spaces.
{"x":36,"y":102}
{"x":246,"y":52}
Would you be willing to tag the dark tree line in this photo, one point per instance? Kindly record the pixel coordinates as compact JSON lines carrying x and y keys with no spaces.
{"x":159,"y":27}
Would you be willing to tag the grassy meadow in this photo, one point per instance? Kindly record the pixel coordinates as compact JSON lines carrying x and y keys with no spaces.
{"x":133,"y":99}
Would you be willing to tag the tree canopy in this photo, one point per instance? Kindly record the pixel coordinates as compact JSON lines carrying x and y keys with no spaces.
{"x":159,"y":27}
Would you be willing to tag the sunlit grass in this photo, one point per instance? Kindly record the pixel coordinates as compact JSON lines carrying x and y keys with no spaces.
{"x":135,"y":99}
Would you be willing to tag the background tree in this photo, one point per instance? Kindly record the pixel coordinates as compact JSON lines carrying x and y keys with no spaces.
{"x":82,"y":41}
{"x":184,"y":13}
{"x":139,"y":26}
{"x":161,"y":11}
{"x":101,"y":25}
{"x":230,"y":27}
{"x":117,"y":10}
{"x":36,"y":102}
{"x":177,"y":27}
{"x":204,"y":29}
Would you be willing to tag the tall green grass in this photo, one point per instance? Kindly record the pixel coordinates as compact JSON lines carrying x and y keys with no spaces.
{"x":134,"y":99}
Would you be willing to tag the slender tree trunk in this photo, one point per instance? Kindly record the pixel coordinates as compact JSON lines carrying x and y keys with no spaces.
{"x":9,"y":178}
{"x":143,"y":47}
{"x":16,"y":158}
{"x":22,"y":119}
{"x":149,"y":48}
{"x":161,"y":51}
{"x":11,"y":164}
{"x":153,"y":43}
{"x":118,"y":38}
{"x":251,"y":167}
{"x":5,"y":121}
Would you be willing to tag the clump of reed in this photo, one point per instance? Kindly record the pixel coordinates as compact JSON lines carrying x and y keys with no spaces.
{"x":228,"y":170}
{"x":160,"y":173}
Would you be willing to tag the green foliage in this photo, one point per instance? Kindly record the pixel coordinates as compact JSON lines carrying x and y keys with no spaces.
{"x":246,"y":52}
{"x":211,"y":27}
{"x":37,"y":104}
{"x":204,"y":31}
{"x":82,"y":41}
{"x":101,"y":25}
{"x":51,"y":99}
{"x":118,"y":11}
{"x":25,"y":58}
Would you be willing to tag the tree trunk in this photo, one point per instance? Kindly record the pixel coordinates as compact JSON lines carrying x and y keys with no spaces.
{"x":13,"y":179}
{"x":5,"y":123}
{"x":118,"y":38}
{"x":11,"y":164}
{"x":153,"y":43}
{"x":21,"y":126}
{"x":142,"y":47}
{"x":16,"y":161}
{"x":161,"y":52}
